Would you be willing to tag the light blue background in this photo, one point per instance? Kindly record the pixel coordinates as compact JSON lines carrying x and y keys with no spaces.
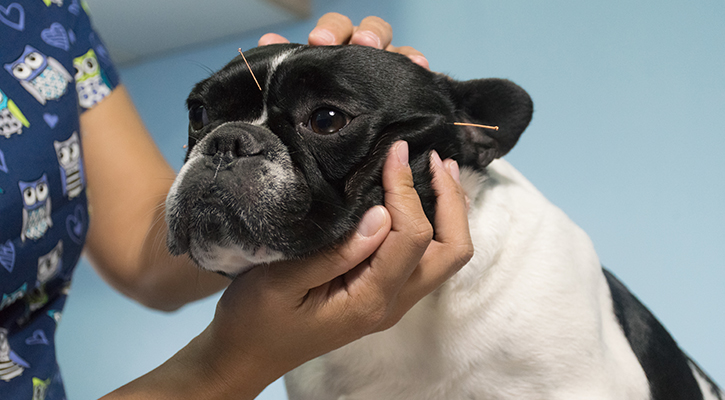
{"x":627,"y":138}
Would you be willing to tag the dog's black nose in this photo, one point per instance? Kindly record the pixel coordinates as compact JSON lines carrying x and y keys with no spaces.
{"x":232,"y":142}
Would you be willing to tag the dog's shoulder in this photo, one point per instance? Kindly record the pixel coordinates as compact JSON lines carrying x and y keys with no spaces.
{"x":671,"y":373}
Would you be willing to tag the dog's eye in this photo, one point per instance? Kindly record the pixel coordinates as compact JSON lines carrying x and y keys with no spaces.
{"x":198,"y":117}
{"x":326,"y":121}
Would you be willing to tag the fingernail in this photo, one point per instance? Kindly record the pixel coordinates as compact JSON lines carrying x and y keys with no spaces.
{"x":454,"y":171}
{"x":436,"y":159}
{"x":372,"y":222}
{"x":420,"y":60}
{"x":402,"y":150}
{"x":367,"y":38}
{"x":321,"y":37}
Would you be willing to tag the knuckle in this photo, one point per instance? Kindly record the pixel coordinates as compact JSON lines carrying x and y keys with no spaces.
{"x":459,"y":256}
{"x":408,"y":51}
{"x":466,"y":253}
{"x":395,"y":313}
{"x":339,"y":18}
{"x":422,"y":232}
{"x":390,"y":321}
{"x":336,"y":256}
{"x":402,"y":192}
{"x":373,"y":20}
{"x":385,"y":325}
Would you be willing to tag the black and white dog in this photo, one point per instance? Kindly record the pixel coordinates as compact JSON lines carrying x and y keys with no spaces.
{"x":289,"y":170}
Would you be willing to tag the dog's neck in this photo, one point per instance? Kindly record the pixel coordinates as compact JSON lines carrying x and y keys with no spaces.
{"x":508,"y":214}
{"x":532,"y":267}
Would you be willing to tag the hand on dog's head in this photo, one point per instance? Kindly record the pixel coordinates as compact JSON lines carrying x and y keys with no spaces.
{"x":289,"y":170}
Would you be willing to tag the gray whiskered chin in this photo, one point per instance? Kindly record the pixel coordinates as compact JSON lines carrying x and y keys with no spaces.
{"x":232,"y":260}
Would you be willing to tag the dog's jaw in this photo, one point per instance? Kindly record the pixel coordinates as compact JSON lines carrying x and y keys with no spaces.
{"x":219,"y":207}
{"x":233,"y":260}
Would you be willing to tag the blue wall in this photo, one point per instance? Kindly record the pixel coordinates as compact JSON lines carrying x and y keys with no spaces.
{"x":628,"y":138}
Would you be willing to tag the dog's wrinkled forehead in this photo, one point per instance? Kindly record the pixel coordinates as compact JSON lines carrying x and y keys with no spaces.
{"x":299,"y":78}
{"x":232,"y":92}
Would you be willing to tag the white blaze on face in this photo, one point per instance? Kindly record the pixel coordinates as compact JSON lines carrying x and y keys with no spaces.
{"x":262,"y":120}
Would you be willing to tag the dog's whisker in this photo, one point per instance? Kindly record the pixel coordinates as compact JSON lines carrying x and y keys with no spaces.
{"x":321,"y":229}
{"x":206,"y":68}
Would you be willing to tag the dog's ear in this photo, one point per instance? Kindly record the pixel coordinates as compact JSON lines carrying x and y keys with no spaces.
{"x":494,"y":102}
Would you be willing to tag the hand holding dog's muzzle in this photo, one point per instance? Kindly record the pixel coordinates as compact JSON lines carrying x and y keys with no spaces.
{"x":287,"y":313}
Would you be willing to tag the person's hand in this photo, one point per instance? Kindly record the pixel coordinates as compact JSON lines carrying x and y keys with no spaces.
{"x":281,"y":315}
{"x":335,"y":29}
{"x":276,"y":317}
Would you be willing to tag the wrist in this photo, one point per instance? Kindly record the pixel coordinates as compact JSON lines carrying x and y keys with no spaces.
{"x":203,"y":369}
{"x":230,"y":371}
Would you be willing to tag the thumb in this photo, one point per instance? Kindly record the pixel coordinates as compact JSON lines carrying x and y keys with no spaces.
{"x":326,"y":266}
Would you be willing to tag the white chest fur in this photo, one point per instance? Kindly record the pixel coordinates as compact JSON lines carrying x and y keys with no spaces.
{"x":529,"y":317}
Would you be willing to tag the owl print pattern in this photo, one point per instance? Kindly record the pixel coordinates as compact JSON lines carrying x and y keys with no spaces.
{"x":8,"y":368}
{"x":12,"y":119}
{"x":53,"y":68}
{"x":42,"y":76}
{"x":9,"y":124}
{"x":51,"y":84}
{"x":71,"y":165}
{"x":90,"y":85}
{"x":36,"y":208}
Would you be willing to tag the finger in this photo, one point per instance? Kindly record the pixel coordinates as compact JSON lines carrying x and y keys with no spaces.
{"x":373,"y":32}
{"x":410,"y":234}
{"x":401,"y":199}
{"x":452,"y":242}
{"x":326,"y":266}
{"x":451,"y":220}
{"x":331,"y":29}
{"x":452,"y":167}
{"x":414,"y":55}
{"x":452,"y":247}
{"x":271,"y":38}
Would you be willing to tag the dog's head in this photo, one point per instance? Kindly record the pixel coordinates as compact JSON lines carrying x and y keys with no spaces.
{"x":289,"y":170}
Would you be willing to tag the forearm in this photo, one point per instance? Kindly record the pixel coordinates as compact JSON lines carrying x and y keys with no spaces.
{"x":201,"y":370}
{"x":127,"y":180}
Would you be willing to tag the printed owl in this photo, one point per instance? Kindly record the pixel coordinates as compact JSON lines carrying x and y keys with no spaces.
{"x":48,"y":267}
{"x":71,"y":165}
{"x":36,"y":208}
{"x":12,"y":119}
{"x":9,"y":366}
{"x":50,"y":264}
{"x":90,"y":85}
{"x":40,"y":388}
{"x":43,"y":77}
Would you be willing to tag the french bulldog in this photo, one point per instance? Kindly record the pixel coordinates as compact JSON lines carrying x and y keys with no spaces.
{"x":288,"y":170}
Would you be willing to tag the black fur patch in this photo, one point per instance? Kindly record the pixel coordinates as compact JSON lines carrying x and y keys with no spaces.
{"x":665,"y":365}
